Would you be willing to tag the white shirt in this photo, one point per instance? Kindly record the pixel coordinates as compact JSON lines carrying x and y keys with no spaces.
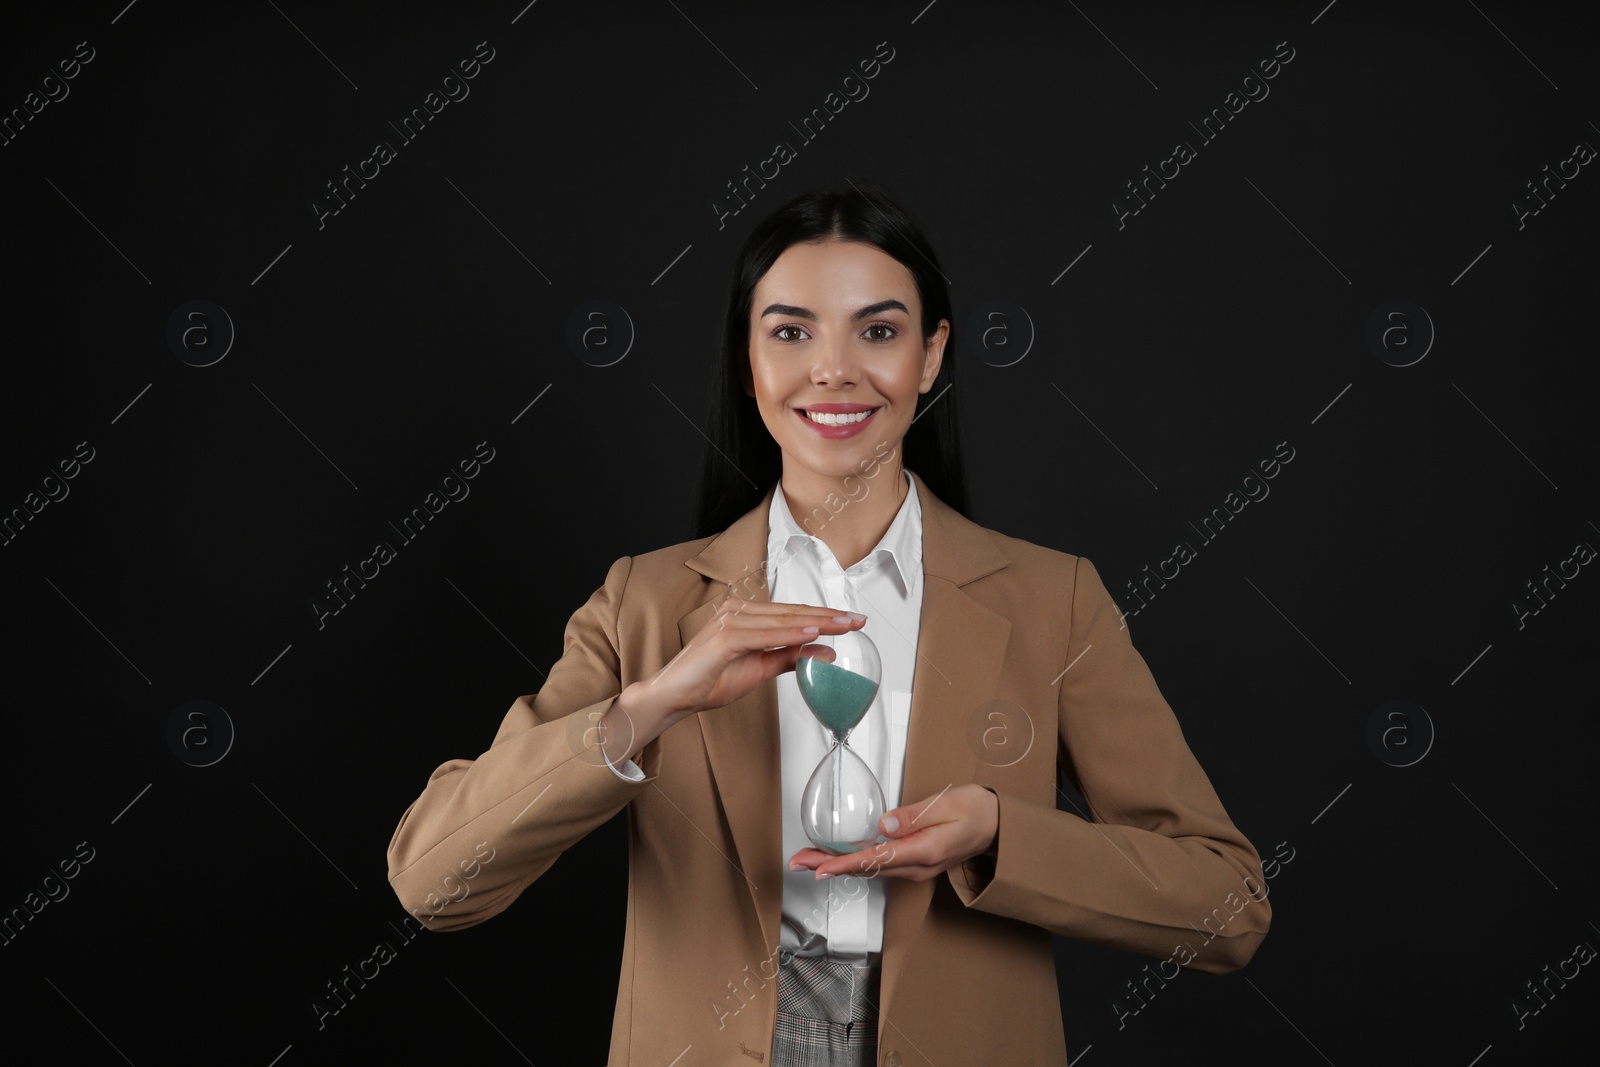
{"x":842,"y":916}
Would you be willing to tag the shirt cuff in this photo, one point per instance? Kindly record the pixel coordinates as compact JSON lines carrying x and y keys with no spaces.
{"x":629,"y":771}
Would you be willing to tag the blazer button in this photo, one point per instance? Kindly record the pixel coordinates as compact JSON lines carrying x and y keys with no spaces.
{"x":892,"y":1059}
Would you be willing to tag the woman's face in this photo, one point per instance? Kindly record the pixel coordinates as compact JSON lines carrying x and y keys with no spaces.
{"x":835,"y":329}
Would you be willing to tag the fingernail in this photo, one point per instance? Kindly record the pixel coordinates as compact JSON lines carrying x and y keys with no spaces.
{"x":811,"y":629}
{"x":891,"y":824}
{"x":823,"y":874}
{"x":797,"y":866}
{"x":842,"y":618}
{"x":856,"y":615}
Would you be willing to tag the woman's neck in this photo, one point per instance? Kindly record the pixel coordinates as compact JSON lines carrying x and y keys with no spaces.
{"x":850,"y":514}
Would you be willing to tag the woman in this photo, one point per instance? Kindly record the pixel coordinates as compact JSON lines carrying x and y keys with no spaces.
{"x":1003,"y":660}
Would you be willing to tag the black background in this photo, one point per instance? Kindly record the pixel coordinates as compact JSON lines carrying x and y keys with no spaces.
{"x":373,"y":353}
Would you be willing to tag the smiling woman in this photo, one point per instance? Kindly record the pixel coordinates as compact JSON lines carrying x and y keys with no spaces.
{"x":838,"y":374}
{"x":890,"y":297}
{"x":833,"y":369}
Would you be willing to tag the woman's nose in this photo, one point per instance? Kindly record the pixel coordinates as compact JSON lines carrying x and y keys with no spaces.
{"x":836,"y":364}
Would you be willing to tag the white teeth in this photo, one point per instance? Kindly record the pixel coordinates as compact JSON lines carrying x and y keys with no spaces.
{"x":836,"y":420}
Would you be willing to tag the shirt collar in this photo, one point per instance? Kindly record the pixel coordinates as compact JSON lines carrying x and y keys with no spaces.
{"x":900,"y":546}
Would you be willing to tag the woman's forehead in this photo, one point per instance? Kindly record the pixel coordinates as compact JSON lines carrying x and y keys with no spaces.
{"x":848,"y":272}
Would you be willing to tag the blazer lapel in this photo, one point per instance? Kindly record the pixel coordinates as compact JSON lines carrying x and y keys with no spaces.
{"x":961,"y":645}
{"x":742,"y":741}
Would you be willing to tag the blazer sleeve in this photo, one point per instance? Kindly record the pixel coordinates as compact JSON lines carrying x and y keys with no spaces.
{"x":1157,"y":867}
{"x":483,"y":830}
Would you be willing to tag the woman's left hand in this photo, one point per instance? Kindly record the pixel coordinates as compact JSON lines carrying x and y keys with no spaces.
{"x":927,"y":839}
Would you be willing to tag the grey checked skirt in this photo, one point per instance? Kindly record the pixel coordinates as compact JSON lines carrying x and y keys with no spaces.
{"x":827,"y":1013}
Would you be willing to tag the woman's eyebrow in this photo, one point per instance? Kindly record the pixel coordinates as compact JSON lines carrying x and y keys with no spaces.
{"x":803,"y":313}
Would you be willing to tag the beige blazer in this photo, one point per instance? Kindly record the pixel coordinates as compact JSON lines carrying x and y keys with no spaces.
{"x":1023,"y":664}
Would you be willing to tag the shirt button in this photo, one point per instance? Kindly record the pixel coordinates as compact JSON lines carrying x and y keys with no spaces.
{"x":892,"y":1059}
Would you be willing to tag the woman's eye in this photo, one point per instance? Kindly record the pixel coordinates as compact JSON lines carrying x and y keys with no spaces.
{"x":888,"y":331}
{"x":779,"y":333}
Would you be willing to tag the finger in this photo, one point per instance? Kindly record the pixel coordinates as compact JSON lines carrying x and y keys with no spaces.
{"x":808,"y":859}
{"x":870,"y":861}
{"x":849,"y":863}
{"x":836,"y":866}
{"x":791,"y":640}
{"x":780,"y":661}
{"x":818,"y":609}
{"x":898,"y":863}
{"x":902,"y":866}
{"x":944,"y":806}
{"x":913,"y":871}
{"x":735,"y":605}
{"x":903,"y":821}
{"x":791,"y":620}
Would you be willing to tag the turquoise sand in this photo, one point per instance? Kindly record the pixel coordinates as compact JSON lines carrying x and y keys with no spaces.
{"x":837,"y":697}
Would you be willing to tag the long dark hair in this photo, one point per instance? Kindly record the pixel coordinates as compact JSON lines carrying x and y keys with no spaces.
{"x":739,"y":450}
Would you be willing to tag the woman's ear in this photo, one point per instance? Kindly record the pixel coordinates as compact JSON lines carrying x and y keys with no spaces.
{"x":935,"y":355}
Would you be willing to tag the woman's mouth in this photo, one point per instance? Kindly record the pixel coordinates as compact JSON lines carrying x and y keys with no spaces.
{"x":836,"y":425}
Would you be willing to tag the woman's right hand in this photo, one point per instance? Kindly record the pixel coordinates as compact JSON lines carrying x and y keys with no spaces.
{"x":742,"y":645}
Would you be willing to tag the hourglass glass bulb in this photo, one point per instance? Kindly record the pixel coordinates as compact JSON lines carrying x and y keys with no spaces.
{"x":842,"y":803}
{"x":838,"y":676}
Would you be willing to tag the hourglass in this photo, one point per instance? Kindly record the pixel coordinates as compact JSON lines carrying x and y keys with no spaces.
{"x":838,"y":675}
